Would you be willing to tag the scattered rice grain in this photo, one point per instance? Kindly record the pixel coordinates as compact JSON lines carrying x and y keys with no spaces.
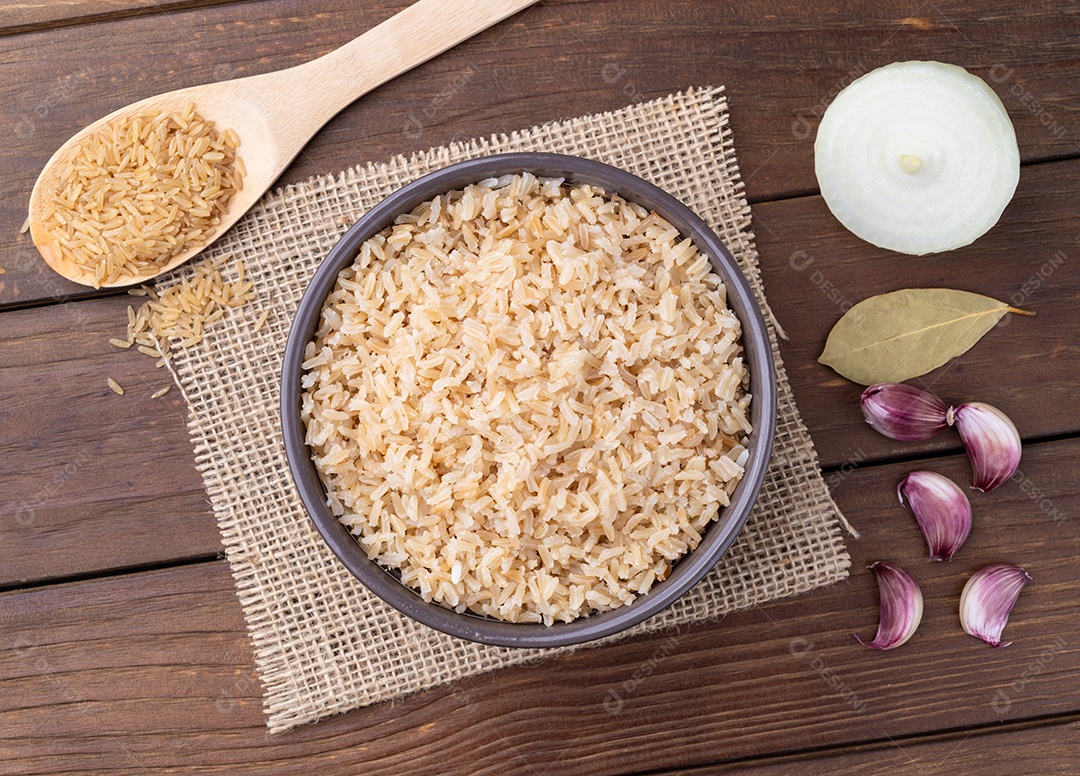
{"x":160,"y":393}
{"x":179,"y":315}
{"x":115,"y":387}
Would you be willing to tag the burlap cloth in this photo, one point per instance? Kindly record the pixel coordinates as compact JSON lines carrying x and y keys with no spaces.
{"x":322,"y":643}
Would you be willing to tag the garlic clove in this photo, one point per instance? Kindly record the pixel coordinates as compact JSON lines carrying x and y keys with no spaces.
{"x":903,"y":412}
{"x":941,"y":509}
{"x":991,"y":440}
{"x":901,"y":607}
{"x":987,"y":600}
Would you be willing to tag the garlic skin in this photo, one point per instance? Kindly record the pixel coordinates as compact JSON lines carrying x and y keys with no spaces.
{"x":987,"y":600}
{"x":903,"y":412}
{"x":991,"y":440}
{"x":941,"y":509}
{"x":901,"y":607}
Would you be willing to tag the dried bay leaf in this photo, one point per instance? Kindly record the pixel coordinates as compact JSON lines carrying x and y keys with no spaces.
{"x":896,"y":336}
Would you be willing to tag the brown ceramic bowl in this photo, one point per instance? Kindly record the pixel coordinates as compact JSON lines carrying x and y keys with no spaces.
{"x":687,"y":571}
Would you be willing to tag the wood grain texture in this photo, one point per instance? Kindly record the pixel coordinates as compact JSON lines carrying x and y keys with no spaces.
{"x":1025,"y":367}
{"x":275,"y":113}
{"x":18,"y":16}
{"x":781,"y":61}
{"x":1051,"y":746}
{"x":152,"y":671}
{"x":815,"y":271}
{"x":92,"y":481}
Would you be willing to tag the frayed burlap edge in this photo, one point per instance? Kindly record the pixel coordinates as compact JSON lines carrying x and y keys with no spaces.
{"x":322,"y":643}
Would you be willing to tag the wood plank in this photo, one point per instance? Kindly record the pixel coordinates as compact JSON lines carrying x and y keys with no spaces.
{"x":1025,"y":368}
{"x":55,"y":83}
{"x":92,"y":481}
{"x":1045,"y":747}
{"x":25,"y":15}
{"x":780,"y":62}
{"x":152,"y":671}
{"x":814,"y":272}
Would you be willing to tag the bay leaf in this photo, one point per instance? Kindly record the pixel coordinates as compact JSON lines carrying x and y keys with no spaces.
{"x":903,"y":334}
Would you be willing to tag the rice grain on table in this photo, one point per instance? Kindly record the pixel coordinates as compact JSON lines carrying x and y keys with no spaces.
{"x":179,"y":315}
{"x":529,"y":398}
{"x":141,"y":190}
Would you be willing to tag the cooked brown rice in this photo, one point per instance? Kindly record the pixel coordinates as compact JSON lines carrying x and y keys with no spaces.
{"x":529,"y":398}
{"x":140,"y":191}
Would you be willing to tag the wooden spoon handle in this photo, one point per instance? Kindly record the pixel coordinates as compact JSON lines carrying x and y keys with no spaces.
{"x":324,"y":86}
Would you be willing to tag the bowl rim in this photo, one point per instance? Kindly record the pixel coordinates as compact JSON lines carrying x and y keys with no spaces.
{"x":686,"y":572}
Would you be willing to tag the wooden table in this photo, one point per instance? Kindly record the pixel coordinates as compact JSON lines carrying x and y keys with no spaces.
{"x":122,"y":644}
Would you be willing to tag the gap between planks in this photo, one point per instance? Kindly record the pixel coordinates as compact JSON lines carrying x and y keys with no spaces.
{"x":796,"y":757}
{"x":133,"y":9}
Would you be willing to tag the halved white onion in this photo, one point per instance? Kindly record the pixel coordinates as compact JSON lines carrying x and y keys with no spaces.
{"x":917,"y":157}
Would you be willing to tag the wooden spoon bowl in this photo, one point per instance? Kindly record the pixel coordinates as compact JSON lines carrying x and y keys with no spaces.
{"x":275,"y":114}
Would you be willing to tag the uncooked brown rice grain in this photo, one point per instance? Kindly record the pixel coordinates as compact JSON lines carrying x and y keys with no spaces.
{"x":140,"y":191}
{"x":179,"y":315}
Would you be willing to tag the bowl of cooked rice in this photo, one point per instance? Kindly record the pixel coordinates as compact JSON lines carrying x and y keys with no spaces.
{"x":529,"y":400}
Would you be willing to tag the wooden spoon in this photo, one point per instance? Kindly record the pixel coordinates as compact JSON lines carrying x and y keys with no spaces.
{"x":275,"y":114}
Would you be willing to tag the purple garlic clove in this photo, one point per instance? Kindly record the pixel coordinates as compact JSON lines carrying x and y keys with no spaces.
{"x":988,"y":599}
{"x":901,"y":607}
{"x":991,"y":440}
{"x":903,"y":412}
{"x":941,"y":509}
